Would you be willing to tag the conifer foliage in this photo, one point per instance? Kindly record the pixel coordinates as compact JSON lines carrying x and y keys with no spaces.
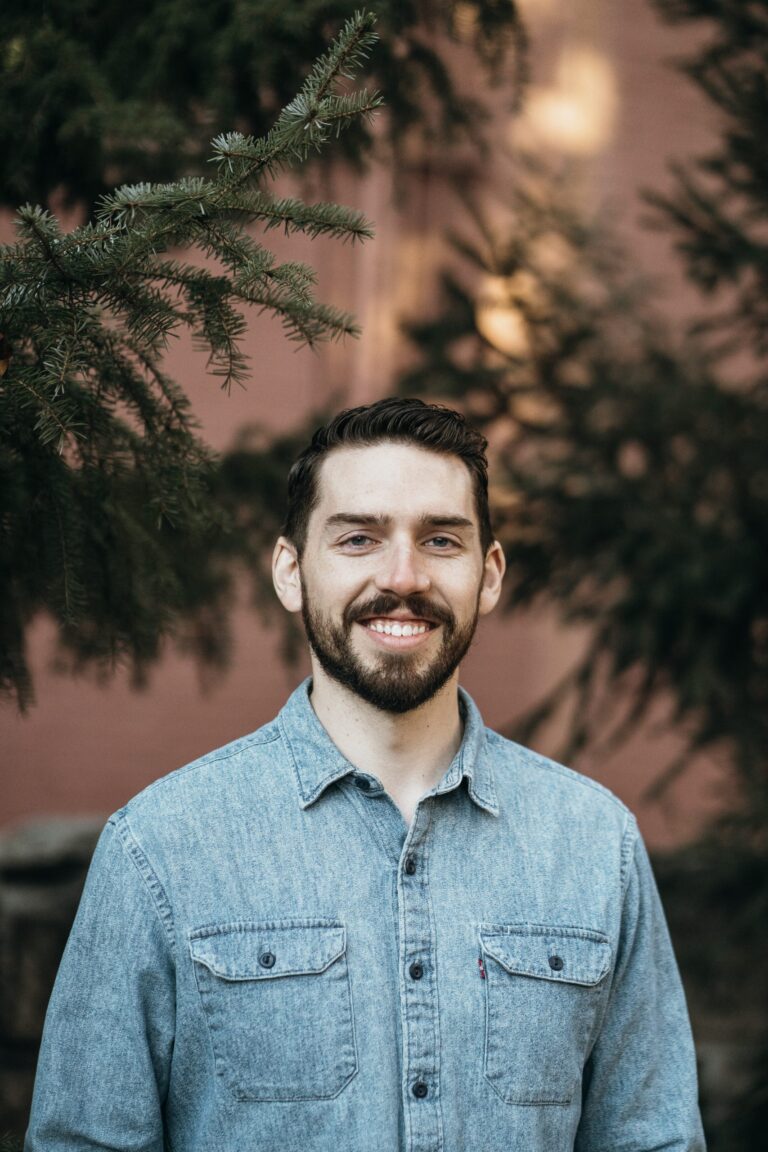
{"x":109,"y":519}
{"x":92,"y":95}
{"x":634,"y":457}
{"x":633,"y":499}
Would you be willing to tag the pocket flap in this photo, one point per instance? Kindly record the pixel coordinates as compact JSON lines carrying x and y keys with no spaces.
{"x":570,"y":955}
{"x":259,"y":951}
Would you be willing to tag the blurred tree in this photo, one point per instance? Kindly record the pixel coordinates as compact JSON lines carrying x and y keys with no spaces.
{"x":91,"y":95}
{"x":633,"y":490}
{"x":718,"y":211}
{"x":634,"y":462}
{"x":114,"y":515}
{"x":632,"y":483}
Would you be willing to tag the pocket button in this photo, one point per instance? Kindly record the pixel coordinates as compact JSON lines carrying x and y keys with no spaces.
{"x":556,"y":963}
{"x":267,"y":959}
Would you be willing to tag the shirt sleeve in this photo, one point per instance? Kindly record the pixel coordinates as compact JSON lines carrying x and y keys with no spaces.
{"x":104,"y":1063}
{"x":640,"y":1085}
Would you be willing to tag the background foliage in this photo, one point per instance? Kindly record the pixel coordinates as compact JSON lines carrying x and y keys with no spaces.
{"x":92,"y":96}
{"x":632,"y":486}
{"x":111,"y":514}
{"x":634,"y":470}
{"x":115,"y":517}
{"x":634,"y":495}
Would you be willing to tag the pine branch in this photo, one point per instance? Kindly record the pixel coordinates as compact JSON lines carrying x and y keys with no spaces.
{"x":105,"y":485}
{"x":630,"y":463}
{"x":83,"y":98}
{"x":306,"y":123}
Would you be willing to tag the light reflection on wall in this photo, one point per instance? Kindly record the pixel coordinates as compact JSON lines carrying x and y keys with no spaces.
{"x":498,"y":317}
{"x":505,"y":304}
{"x":576,"y":113}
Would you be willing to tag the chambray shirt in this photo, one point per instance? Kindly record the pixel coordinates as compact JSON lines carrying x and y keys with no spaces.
{"x":266,"y":958}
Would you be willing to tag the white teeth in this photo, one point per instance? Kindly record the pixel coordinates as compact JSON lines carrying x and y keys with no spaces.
{"x":397,"y":629}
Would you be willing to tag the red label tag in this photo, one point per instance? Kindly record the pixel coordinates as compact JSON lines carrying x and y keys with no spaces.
{"x":480,"y":966}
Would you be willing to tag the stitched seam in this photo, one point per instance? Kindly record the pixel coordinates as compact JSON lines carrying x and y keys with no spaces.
{"x":490,"y":796}
{"x":438,"y":1048}
{"x":149,"y":877}
{"x":629,"y":839}
{"x":374,"y":824}
{"x":322,"y":782}
{"x":542,"y":762}
{"x":209,"y":761}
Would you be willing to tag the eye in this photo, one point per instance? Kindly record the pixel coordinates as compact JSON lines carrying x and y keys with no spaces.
{"x":442,"y":543}
{"x":357,"y":542}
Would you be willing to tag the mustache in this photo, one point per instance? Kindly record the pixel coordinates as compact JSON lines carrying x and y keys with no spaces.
{"x":384,"y":604}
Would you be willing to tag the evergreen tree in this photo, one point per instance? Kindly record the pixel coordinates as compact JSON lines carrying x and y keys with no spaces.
{"x":633,"y":459}
{"x":91,"y":96}
{"x":113,"y":514}
{"x":717,"y":212}
{"x":634,"y":488}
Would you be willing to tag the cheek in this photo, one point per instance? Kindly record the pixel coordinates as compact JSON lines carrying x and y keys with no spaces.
{"x":331,"y":586}
{"x":464,"y":589}
{"x":340,"y":578}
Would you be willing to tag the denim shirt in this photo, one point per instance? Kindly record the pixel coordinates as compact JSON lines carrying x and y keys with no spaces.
{"x":266,"y":958}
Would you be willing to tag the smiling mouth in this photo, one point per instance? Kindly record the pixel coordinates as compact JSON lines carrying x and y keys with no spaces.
{"x":385,"y":627}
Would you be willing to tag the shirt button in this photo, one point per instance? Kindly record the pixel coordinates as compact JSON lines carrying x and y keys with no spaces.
{"x":363,"y":783}
{"x":267,"y":959}
{"x":556,"y":963}
{"x":410,"y":865}
{"x":416,"y":971}
{"x":419,"y":1089}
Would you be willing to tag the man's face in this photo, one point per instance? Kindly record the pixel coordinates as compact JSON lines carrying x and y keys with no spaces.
{"x":393,"y":577}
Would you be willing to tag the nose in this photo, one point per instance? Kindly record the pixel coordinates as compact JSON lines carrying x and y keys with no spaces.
{"x":402,"y":571}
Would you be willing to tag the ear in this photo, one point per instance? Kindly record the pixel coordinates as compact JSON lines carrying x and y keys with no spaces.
{"x":285,"y":575}
{"x":494,"y":568}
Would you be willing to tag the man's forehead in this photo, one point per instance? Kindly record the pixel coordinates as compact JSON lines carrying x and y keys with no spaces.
{"x":390,"y":471}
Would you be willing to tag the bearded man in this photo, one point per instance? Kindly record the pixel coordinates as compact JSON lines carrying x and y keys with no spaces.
{"x":373,"y":924}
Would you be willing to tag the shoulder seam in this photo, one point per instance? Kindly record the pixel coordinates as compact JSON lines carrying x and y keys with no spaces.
{"x":560,"y":770}
{"x":149,"y":877}
{"x":629,"y":840}
{"x":208,"y":761}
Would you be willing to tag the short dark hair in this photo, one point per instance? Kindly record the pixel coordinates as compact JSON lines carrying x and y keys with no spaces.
{"x":401,"y":421}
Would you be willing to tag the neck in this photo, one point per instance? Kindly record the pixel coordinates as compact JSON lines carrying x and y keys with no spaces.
{"x":409,"y":752}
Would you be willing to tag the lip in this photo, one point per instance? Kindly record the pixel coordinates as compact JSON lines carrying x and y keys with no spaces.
{"x":399,"y":643}
{"x":400,"y":617}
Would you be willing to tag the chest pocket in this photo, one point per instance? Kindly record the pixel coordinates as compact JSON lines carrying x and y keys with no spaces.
{"x":544,"y":988}
{"x":277,"y":1000}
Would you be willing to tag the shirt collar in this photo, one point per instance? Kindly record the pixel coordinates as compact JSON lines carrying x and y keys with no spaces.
{"x":317,"y":762}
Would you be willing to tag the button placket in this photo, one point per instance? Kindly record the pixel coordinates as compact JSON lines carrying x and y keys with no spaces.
{"x":418,"y":994}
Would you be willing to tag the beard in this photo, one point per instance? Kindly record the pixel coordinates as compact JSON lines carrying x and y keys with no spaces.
{"x":394,"y":682}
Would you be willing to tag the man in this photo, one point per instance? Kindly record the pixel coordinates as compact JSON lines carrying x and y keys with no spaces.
{"x":372,"y":924}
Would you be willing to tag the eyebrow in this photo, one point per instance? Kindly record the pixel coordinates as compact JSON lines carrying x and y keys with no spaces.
{"x":370,"y":520}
